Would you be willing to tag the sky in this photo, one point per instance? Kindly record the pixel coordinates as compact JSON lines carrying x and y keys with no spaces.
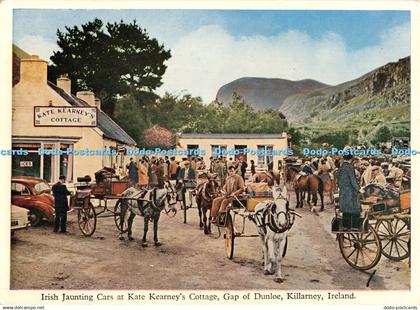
{"x":213,"y":47}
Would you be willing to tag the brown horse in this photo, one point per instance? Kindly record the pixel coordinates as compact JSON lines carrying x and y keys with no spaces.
{"x":206,"y":192}
{"x":329,"y":184}
{"x":271,"y":178}
{"x":309,"y":183}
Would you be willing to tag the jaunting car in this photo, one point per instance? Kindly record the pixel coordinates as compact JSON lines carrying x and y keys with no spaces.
{"x":33,"y":194}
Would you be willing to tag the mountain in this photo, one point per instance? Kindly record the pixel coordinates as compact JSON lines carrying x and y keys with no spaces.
{"x":380,"y":96}
{"x":264,"y":93}
{"x":355,"y":110}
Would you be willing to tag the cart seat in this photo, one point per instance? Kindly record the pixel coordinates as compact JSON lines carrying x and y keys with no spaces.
{"x":337,"y":225}
{"x":363,"y":213}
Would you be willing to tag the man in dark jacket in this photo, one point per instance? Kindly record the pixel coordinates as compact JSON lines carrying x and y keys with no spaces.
{"x":133,"y":173}
{"x":61,"y":205}
{"x":349,"y":194}
{"x":252,"y":167}
{"x":243,"y":165}
{"x":187,"y":173}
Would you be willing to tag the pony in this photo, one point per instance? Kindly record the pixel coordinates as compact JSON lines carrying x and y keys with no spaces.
{"x":206,"y":192}
{"x":146,"y":203}
{"x":274,"y":219}
{"x":271,"y":178}
{"x":310,"y":183}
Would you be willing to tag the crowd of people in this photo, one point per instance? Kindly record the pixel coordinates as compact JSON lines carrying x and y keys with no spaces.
{"x":221,"y":165}
{"x":153,"y":172}
{"x":353,"y":175}
{"x":367,"y":170}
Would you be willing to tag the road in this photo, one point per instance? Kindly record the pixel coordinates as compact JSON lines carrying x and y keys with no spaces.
{"x":188,"y":259}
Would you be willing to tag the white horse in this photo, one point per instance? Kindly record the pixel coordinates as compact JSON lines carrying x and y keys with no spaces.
{"x":274,"y":219}
{"x":146,"y":203}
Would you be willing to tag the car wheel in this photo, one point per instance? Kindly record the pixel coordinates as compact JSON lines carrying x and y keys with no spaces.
{"x":35,"y":217}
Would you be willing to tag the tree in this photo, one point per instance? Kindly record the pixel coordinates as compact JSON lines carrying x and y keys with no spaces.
{"x":338,"y":139}
{"x":381,"y":134}
{"x":157,"y":136}
{"x":121,"y":60}
{"x":129,"y":115}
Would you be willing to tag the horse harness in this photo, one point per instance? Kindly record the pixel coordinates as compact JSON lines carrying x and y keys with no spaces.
{"x":143,"y":202}
{"x":265,"y":217}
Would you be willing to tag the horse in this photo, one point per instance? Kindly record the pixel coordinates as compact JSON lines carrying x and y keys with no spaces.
{"x":146,"y":203}
{"x":274,"y":219}
{"x":305,"y":183}
{"x":271,"y":178}
{"x":205,"y":195}
{"x":329,"y":184}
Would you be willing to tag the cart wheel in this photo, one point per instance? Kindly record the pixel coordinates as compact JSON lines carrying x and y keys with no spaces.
{"x":362,"y":251}
{"x":117,"y":217}
{"x":86,"y":217}
{"x":184,"y":209}
{"x":395,"y":237}
{"x":229,"y":236}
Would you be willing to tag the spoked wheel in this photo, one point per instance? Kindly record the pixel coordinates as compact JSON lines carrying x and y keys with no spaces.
{"x":117,"y":217}
{"x":395,"y":236}
{"x":184,"y":208}
{"x":86,"y":218}
{"x":362,"y":251}
{"x":229,"y":237}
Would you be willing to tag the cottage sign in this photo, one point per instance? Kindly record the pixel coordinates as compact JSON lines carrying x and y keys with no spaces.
{"x":65,"y":116}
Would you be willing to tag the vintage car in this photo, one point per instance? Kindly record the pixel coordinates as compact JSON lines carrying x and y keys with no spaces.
{"x":19,"y":219}
{"x":33,"y":194}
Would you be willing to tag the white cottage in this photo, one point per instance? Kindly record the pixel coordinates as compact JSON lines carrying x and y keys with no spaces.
{"x":58,"y":133}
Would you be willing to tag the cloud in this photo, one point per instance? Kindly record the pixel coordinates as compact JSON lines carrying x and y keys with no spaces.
{"x":205,"y":59}
{"x":37,"y":45}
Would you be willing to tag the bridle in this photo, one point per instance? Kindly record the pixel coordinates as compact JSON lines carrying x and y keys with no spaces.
{"x":170,"y":194}
{"x":207,"y":192}
{"x":268,"y":217}
{"x":273,"y":215}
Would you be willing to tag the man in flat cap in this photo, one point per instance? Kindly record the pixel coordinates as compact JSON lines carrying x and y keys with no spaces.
{"x":234,"y":186}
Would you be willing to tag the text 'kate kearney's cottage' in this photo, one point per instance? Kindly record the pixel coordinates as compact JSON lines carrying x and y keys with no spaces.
{"x":57,"y":133}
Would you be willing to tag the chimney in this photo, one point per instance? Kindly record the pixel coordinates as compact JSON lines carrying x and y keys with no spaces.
{"x":98,"y":103}
{"x":64,"y":83}
{"x":87,"y":96}
{"x":33,"y":70}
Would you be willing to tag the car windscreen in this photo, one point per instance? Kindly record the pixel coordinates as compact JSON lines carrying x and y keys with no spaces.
{"x":42,"y":187}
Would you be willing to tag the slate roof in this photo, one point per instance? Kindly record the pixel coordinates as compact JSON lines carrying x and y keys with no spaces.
{"x":231,"y":136}
{"x":20,"y":53}
{"x":110,"y":129}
